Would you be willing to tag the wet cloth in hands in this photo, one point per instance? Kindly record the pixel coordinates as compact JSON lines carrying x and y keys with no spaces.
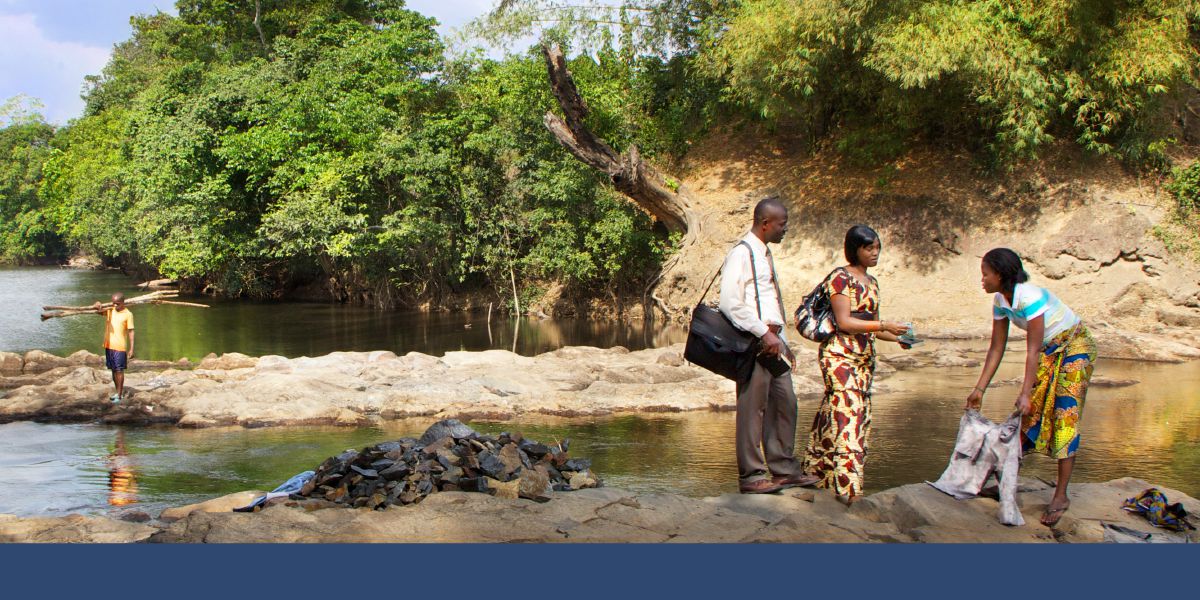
{"x":983,"y":449}
{"x":289,"y":487}
{"x":1153,"y":505}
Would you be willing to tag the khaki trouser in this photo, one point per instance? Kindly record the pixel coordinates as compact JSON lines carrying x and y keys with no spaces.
{"x":766,"y":417}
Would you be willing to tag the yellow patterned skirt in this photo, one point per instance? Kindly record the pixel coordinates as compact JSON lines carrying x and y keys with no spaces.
{"x":1051,"y":427}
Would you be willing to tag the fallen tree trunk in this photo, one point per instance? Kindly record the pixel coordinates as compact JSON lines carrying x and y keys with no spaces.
{"x":629,"y":174}
{"x":159,"y":284}
{"x":160,"y":297}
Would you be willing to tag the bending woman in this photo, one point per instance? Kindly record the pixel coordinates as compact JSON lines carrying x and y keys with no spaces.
{"x":1059,"y":355}
{"x":837,"y":446}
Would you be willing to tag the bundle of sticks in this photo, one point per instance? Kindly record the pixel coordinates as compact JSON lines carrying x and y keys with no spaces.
{"x":160,"y":297}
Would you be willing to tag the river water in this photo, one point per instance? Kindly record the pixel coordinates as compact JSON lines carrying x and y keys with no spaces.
{"x":285,"y":328}
{"x":1150,"y":430}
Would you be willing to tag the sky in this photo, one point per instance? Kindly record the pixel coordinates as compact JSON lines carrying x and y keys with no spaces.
{"x":47,"y":47}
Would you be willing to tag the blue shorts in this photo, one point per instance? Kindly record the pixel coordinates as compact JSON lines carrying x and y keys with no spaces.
{"x":115,"y":359}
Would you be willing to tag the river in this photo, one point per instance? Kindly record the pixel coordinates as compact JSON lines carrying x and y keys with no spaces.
{"x":1150,"y":430}
{"x":283,"y":328}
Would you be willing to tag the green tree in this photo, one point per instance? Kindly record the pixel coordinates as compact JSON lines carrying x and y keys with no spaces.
{"x":1022,"y":71}
{"x":25,"y":231}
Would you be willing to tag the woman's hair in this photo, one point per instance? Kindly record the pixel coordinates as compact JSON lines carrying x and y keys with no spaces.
{"x":858,"y":237}
{"x":1007,"y":265}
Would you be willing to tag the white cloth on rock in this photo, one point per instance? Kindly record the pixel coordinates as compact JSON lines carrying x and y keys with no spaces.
{"x":983,"y":449}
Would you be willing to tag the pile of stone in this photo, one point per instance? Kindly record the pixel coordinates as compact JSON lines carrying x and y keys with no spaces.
{"x":449,"y":456}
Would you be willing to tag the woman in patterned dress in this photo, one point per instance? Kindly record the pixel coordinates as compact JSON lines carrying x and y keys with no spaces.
{"x":838,"y":443}
{"x":1059,"y":354}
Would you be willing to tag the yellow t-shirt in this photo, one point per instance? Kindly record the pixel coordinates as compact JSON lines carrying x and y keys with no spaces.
{"x":119,"y":323}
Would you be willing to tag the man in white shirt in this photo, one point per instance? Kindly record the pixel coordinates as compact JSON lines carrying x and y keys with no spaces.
{"x":766,"y":404}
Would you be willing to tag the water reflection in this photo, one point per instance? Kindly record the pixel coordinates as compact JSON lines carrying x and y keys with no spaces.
{"x":122,"y":481}
{"x":287,"y":329}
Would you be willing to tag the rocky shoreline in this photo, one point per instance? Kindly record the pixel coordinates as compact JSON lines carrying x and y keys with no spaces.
{"x":361,"y":388}
{"x":358,"y":388}
{"x":914,"y":513}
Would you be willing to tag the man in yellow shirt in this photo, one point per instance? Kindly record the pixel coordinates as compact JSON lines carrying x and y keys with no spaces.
{"x":118,"y":321}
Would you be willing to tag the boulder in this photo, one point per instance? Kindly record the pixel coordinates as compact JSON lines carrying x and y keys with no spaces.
{"x":348,"y":418}
{"x":11,"y":363}
{"x":222,"y":504}
{"x":195,"y":421}
{"x":85,"y":358}
{"x":582,"y":480}
{"x":37,"y":361}
{"x":72,"y":529}
{"x":227,"y":362}
{"x":511,"y":457}
{"x":534,"y":484}
{"x":1115,"y":343}
{"x":504,"y":489}
{"x":452,"y":428}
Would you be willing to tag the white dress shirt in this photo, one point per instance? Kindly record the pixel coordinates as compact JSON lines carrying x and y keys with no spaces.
{"x":738,"y":284}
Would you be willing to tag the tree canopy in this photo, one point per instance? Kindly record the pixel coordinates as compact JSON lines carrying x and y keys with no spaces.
{"x":250,"y":147}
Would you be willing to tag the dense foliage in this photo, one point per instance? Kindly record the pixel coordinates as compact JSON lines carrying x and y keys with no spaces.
{"x":338,"y":146}
{"x":1006,"y":75}
{"x":26,"y":231}
{"x":333,"y":141}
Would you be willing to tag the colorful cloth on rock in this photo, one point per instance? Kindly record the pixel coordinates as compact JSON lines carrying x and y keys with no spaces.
{"x":837,"y":445}
{"x":1154,"y":505}
{"x":1051,"y":427}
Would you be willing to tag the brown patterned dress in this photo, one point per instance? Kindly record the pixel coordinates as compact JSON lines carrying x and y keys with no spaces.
{"x":837,"y":447}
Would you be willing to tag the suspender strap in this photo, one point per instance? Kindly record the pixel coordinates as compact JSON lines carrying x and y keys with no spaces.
{"x":754,"y":274}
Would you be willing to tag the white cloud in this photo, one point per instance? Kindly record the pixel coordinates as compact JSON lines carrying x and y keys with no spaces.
{"x":50,"y":70}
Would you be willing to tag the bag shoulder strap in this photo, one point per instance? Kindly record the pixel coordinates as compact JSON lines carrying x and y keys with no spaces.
{"x":830,"y":276}
{"x":753,"y":271}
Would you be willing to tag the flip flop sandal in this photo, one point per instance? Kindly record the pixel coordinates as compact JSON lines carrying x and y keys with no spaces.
{"x":1048,"y":512}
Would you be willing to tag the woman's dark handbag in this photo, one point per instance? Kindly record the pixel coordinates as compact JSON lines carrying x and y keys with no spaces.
{"x":716,"y":344}
{"x":814,"y":316}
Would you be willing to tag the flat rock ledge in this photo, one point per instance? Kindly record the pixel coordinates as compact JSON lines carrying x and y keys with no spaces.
{"x":358,"y":388}
{"x":912,"y":513}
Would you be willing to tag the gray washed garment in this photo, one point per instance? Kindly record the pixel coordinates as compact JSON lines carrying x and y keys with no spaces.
{"x":1119,"y":534}
{"x":985,"y":448}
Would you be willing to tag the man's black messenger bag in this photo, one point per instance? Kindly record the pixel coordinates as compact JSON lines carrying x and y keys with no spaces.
{"x":716,"y":344}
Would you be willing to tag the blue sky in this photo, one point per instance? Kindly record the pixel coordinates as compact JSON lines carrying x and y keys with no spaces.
{"x":48,"y":46}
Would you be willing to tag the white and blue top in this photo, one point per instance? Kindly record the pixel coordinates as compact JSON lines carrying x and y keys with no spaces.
{"x":1031,"y":301}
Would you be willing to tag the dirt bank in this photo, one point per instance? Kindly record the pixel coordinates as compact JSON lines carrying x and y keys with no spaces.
{"x":1085,"y":227}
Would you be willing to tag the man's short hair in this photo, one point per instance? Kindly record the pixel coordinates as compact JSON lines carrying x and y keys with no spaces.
{"x":765,"y":207}
{"x":118,"y":296}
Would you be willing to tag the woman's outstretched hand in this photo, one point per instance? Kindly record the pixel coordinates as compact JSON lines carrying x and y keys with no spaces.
{"x":1023,"y":403}
{"x":974,"y":400}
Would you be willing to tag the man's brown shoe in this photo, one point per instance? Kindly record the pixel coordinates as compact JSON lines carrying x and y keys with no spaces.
{"x":761,"y":486}
{"x":797,"y":480}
